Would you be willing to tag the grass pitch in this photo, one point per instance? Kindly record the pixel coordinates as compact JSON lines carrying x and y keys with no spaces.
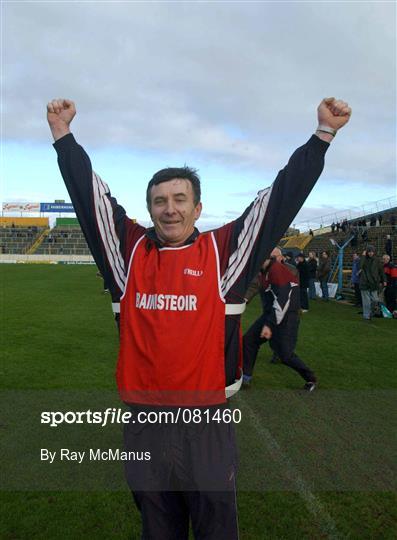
{"x":312,"y":466}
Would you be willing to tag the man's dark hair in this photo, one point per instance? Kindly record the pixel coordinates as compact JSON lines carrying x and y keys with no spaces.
{"x":184,"y":173}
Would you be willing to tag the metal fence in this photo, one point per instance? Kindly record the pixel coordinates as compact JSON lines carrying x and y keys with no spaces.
{"x":351,"y":213}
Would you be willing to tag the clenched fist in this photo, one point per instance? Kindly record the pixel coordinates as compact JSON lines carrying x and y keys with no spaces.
{"x":333,"y":113}
{"x":60,"y":113}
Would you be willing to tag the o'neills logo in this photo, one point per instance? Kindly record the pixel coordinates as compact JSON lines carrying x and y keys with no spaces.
{"x":168,"y":302}
{"x":191,"y":272}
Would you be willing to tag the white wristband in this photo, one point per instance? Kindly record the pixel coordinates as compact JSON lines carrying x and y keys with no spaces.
{"x":326,"y":129}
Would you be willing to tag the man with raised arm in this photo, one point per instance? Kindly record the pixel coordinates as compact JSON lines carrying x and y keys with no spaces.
{"x":178,"y":295}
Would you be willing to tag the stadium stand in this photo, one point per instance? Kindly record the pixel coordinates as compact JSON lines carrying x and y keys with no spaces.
{"x":33,"y":236}
{"x":374,"y":234}
{"x":299,"y":241}
{"x":66,"y":238}
{"x":64,"y":241}
{"x":18,"y":239}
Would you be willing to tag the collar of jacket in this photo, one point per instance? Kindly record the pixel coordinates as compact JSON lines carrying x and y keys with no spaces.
{"x":152,"y":235}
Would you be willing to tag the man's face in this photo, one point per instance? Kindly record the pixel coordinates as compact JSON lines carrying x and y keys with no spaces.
{"x":173,"y":211}
{"x":276,"y":255}
{"x":355,"y":256}
{"x":386,"y":259}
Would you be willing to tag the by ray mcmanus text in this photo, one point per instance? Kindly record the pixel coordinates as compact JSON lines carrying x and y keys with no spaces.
{"x":93,"y":454}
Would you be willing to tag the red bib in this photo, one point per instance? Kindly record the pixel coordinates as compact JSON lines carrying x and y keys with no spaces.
{"x":172,"y":326}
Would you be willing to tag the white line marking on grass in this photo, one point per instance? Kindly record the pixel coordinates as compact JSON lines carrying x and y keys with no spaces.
{"x":315,"y":507}
{"x":386,"y":330}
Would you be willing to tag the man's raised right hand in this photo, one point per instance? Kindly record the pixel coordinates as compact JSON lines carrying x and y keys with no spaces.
{"x":60,"y":113}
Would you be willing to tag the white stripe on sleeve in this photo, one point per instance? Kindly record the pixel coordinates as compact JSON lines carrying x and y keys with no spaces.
{"x":104,"y":217}
{"x":246,"y":239}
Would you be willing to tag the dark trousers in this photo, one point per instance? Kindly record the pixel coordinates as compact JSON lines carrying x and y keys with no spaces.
{"x":190,"y":476}
{"x":165,"y":515}
{"x":357,"y":295}
{"x":304,"y":297}
{"x":312,"y":288}
{"x":324,"y":289}
{"x":390,"y":298}
{"x":282,"y":342}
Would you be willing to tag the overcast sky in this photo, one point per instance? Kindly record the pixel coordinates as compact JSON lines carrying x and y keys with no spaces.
{"x":230,"y":88}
